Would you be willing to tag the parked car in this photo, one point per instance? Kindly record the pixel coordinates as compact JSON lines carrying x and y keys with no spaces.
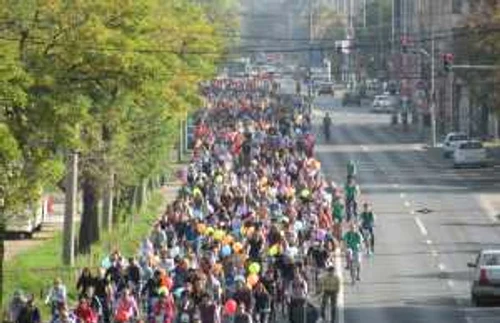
{"x":451,"y":141}
{"x":383,"y":104}
{"x":486,"y":276}
{"x":470,"y":153}
{"x":326,"y":89}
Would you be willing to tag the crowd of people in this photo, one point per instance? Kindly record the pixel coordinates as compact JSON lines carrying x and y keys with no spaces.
{"x":254,"y":230}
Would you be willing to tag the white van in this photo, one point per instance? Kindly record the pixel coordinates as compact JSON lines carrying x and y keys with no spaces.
{"x":24,"y":224}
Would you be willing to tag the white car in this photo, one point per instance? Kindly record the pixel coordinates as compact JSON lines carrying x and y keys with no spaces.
{"x":486,"y":276}
{"x":470,"y":153}
{"x":383,"y":103}
{"x":451,"y":141}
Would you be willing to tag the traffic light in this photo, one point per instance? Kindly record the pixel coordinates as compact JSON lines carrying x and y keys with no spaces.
{"x":448,"y":62}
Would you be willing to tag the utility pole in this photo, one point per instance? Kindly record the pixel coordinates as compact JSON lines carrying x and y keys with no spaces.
{"x":70,"y":209}
{"x":364,"y":14}
{"x":433,"y":88}
{"x":393,"y":24}
{"x":311,"y":36}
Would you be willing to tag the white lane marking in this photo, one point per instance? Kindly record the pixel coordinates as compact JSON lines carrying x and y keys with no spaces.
{"x":441,"y":267}
{"x":340,"y":295}
{"x":412,"y":212}
{"x":364,"y":148}
{"x":434,"y":253}
{"x":407,"y":203}
{"x":402,"y":195}
{"x":421,"y":226}
{"x":451,"y":283}
{"x":395,"y":185}
{"x":429,"y":242}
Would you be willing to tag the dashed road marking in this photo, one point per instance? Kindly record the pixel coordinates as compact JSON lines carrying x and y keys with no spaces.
{"x":407,"y":203}
{"x":402,"y":195}
{"x":434,"y":253}
{"x":412,"y":212}
{"x":450,"y":283}
{"x":395,"y":185}
{"x":441,"y":267}
{"x":421,"y":226}
{"x":428,"y":241}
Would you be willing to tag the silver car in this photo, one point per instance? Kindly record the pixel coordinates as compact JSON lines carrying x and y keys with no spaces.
{"x":485,"y":276}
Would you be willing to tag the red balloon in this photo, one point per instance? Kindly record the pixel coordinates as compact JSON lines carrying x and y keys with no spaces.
{"x":230,"y":306}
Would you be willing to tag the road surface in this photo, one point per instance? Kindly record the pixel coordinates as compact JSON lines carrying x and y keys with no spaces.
{"x":419,"y":272}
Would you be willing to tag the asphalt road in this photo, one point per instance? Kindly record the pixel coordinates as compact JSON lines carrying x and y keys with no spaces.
{"x":419,"y":271}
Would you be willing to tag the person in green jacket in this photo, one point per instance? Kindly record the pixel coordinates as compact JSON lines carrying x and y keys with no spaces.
{"x":367,"y":224}
{"x":352,"y":169}
{"x":351,"y":194}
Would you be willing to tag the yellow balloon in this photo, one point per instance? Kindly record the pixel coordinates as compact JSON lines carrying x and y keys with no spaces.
{"x":273,"y":251}
{"x":219,"y":235}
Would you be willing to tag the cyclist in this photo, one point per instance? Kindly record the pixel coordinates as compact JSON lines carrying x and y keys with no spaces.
{"x":327,"y":122}
{"x":319,"y":257}
{"x":351,"y":192}
{"x":352,"y":169}
{"x":338,"y":217}
{"x":352,"y":242}
{"x":367,"y":224}
{"x":329,"y":287}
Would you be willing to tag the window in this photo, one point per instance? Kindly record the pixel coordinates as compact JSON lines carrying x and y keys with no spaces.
{"x":491,"y":259}
{"x":471,"y":145}
{"x":456,"y":6}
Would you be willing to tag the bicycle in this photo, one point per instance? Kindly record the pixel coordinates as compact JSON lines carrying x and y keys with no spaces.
{"x":368,"y":238}
{"x":354,"y":264}
{"x":326,"y":131}
{"x":351,"y":209}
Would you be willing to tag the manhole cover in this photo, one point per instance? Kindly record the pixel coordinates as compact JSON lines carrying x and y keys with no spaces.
{"x":425,"y":211}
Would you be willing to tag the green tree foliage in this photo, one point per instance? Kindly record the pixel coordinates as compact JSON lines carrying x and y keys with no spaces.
{"x":478,"y":43}
{"x":373,"y":41}
{"x":108,"y":78}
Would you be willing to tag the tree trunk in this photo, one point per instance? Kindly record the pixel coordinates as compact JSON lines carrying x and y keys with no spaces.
{"x":107,"y":205}
{"x":2,"y":255}
{"x":89,"y":227}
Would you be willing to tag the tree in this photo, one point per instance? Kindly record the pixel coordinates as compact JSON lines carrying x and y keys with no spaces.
{"x":109,"y":79}
{"x":373,"y":42}
{"x":476,"y":42}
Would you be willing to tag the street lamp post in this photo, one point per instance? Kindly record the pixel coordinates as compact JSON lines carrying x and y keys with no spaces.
{"x":432,"y":106}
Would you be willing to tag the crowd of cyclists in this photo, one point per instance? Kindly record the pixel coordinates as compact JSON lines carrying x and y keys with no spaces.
{"x":252,"y":236}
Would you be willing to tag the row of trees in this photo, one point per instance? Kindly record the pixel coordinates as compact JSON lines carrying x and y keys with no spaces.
{"x":107,"y":78}
{"x":477,"y":42}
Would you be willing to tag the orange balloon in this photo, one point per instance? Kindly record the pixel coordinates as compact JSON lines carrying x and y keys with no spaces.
{"x":237,"y":247}
{"x":228,"y":240}
{"x":201,"y":228}
{"x":252,"y":279}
